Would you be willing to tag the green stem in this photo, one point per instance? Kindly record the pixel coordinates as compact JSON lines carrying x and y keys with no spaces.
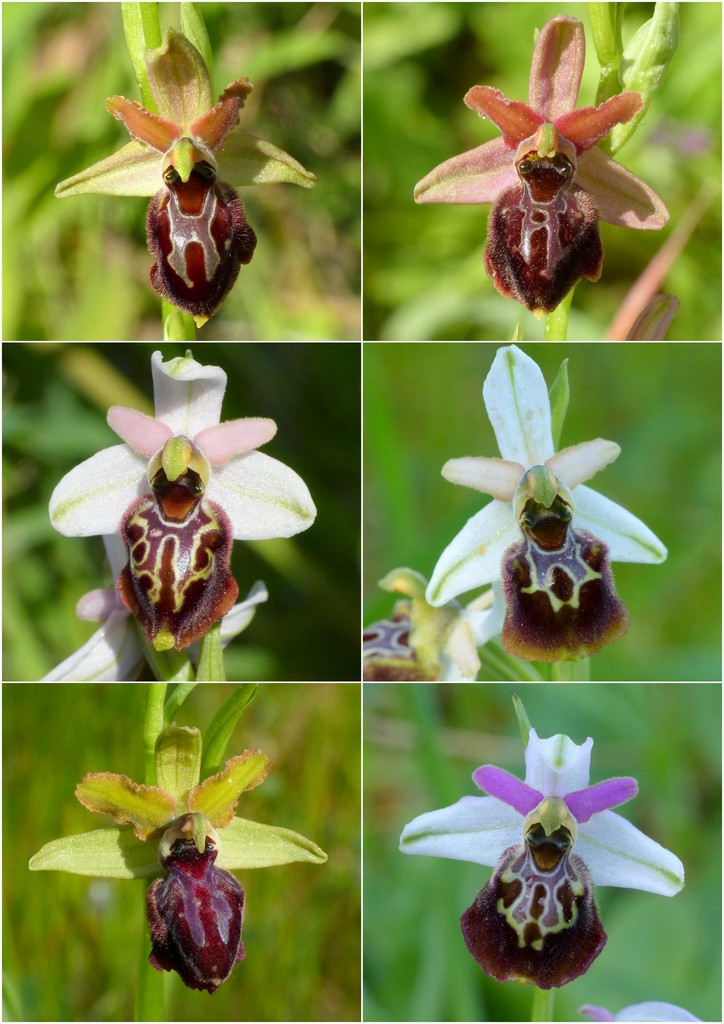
{"x":556,"y":328}
{"x":504,"y":666}
{"x":542,"y":1009}
{"x":150,"y":1003}
{"x":143,"y":32}
{"x":571,"y":671}
{"x":153,"y":723}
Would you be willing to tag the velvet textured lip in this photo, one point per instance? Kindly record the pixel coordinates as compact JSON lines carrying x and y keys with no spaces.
{"x":190,"y":157}
{"x":547,"y":180}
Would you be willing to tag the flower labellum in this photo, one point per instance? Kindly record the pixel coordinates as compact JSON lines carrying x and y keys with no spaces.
{"x":177,"y":581}
{"x":561,"y":603}
{"x":195,"y":913}
{"x":543,"y":234}
{"x":536,"y":919}
{"x":198,"y":234}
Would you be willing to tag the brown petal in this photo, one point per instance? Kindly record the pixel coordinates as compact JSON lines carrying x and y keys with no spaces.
{"x":215,"y":124}
{"x":557,"y":66}
{"x":142,"y":125}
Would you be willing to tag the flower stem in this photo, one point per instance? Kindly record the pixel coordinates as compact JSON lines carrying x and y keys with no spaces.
{"x":542,"y":1009}
{"x":556,"y":328}
{"x":505,"y":666}
{"x":177,"y":326}
{"x":572,"y":671}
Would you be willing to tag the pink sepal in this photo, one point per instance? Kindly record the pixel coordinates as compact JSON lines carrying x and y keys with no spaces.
{"x":584,"y":803}
{"x":235,"y":437}
{"x":143,"y":433}
{"x":557,"y":67}
{"x":506,"y":787}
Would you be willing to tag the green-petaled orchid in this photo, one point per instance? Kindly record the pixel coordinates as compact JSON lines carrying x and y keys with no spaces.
{"x":188,"y":828}
{"x":189,"y":156}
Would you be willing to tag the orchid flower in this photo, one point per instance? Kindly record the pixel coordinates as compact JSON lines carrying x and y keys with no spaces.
{"x":208,"y":486}
{"x":547,"y":180}
{"x":652,"y":1011}
{"x":186,"y":830}
{"x":189,"y":156}
{"x":546,"y":541}
{"x":550,"y":840}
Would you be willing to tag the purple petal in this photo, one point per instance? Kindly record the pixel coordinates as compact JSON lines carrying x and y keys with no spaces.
{"x":557,"y":66}
{"x":477,"y":176}
{"x":506,"y":787}
{"x":588,"y":125}
{"x":584,"y":803}
{"x":621,"y":197}
{"x":515,"y":119}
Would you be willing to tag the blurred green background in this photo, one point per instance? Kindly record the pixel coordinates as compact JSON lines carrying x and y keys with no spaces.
{"x":72,"y":943}
{"x":78,"y":269}
{"x":55,"y":403}
{"x":424,"y":277}
{"x":661,"y":403}
{"x":422,"y":742}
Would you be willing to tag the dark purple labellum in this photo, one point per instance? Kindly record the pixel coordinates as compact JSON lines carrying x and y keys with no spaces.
{"x":543,"y":235}
{"x":198,"y":234}
{"x":177,"y":582}
{"x":536,"y":920}
{"x":560,"y":600}
{"x":195,"y":916}
{"x":387,"y":653}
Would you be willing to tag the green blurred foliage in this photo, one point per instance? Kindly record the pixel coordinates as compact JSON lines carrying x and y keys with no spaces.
{"x":661,"y":403}
{"x":55,"y":403}
{"x":422,"y":742}
{"x":424,"y":277}
{"x":78,"y":269}
{"x":72,"y":944}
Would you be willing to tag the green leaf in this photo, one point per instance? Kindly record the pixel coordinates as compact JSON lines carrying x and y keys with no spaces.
{"x":223,"y":724}
{"x":210,"y":668}
{"x":193,"y":27}
{"x":105,"y":853}
{"x":178,"y":761}
{"x":559,"y":394}
{"x":218,"y":795}
{"x":249,"y":844}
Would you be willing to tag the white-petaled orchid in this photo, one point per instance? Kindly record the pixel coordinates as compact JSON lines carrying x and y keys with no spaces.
{"x":185,"y":828}
{"x":550,"y":840}
{"x":652,"y":1011}
{"x":189,"y":156}
{"x":548,"y":181}
{"x":208,"y":486}
{"x":546,"y":536}
{"x":422,"y":642}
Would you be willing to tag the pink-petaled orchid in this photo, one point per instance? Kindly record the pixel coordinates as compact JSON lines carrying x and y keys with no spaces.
{"x":546,"y":540}
{"x":181,"y":489}
{"x":185,"y":829}
{"x":190,"y":156}
{"x":547,"y":180}
{"x":550,"y":840}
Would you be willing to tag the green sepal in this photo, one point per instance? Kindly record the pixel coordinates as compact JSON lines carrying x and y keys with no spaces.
{"x":210,"y":668}
{"x":218,"y":795}
{"x":222,"y":726}
{"x":246,"y":160}
{"x":104,"y":853}
{"x":179,"y":80}
{"x":146,"y":808}
{"x":249,"y":844}
{"x":135,"y":170}
{"x":178,"y":761}
{"x":559,"y":394}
